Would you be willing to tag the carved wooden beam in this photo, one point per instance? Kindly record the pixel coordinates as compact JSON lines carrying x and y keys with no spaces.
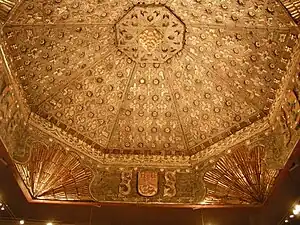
{"x":293,"y":7}
{"x":5,"y":7}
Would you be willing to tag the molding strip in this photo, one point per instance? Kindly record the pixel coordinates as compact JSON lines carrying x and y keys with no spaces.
{"x":5,"y":8}
{"x":293,"y":7}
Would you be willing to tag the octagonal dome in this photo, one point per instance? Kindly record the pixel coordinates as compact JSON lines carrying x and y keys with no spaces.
{"x":150,"y":101}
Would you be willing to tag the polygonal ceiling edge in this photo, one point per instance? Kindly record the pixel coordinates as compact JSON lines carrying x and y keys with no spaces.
{"x":119,"y":185}
{"x":100,"y":130}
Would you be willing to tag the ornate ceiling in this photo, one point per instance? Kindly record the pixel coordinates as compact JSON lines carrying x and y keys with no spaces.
{"x":182,"y":102}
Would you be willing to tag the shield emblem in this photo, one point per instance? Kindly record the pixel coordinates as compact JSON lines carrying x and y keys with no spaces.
{"x":147,"y":183}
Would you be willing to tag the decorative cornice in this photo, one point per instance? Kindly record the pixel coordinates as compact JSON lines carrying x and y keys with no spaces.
{"x":106,"y":159}
{"x":244,"y":134}
{"x":293,"y":7}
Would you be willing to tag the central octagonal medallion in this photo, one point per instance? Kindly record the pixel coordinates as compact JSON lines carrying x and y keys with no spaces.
{"x":150,"y":34}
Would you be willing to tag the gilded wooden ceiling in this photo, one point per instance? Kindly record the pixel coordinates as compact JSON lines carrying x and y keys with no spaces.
{"x":185,"y":102}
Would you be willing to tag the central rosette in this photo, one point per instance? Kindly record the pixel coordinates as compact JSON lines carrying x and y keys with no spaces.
{"x":150,"y":34}
{"x":150,"y":39}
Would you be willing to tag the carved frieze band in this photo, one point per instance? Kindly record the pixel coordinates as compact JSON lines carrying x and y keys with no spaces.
{"x":285,"y":127}
{"x":146,"y":185}
{"x":293,"y":7}
{"x":140,"y":184}
{"x":12,"y":118}
{"x":152,"y":160}
{"x":5,"y":8}
{"x":97,"y":154}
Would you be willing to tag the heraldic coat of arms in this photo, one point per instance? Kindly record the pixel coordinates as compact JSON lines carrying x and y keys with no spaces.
{"x":147,"y":183}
